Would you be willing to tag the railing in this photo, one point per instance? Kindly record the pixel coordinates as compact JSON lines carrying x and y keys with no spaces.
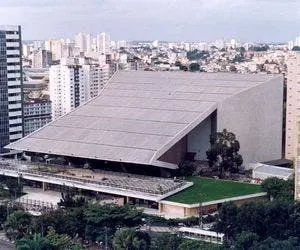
{"x":106,"y":183}
{"x":36,"y":205}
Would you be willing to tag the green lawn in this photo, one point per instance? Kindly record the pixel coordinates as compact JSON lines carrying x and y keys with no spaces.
{"x":205,"y":189}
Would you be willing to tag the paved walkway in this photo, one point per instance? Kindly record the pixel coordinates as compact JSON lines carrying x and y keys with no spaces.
{"x":5,"y":243}
{"x":38,"y":194}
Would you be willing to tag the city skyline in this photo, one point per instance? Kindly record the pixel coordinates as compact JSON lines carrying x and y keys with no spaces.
{"x":170,"y":20}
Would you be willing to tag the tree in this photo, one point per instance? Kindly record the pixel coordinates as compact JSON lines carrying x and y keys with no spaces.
{"x":36,"y":242}
{"x":70,"y":222}
{"x":232,"y":68}
{"x":177,"y":64}
{"x":245,"y":240}
{"x":197,"y":245}
{"x":62,"y":241}
{"x":273,"y":244}
{"x":183,"y":67}
{"x":69,"y":199}
{"x":186,"y":168}
{"x":277,"y":188}
{"x":227,"y":219}
{"x":197,"y":55}
{"x":223,"y":154}
{"x":194,"y":67}
{"x":17,"y":224}
{"x":14,"y":185}
{"x":278,"y":219}
{"x":130,"y":239}
{"x":102,"y":221}
{"x":165,"y":241}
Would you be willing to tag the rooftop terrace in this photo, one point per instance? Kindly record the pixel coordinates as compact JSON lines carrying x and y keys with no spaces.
{"x":205,"y":190}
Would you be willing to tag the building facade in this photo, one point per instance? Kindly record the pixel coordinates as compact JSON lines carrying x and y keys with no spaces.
{"x":11,"y":116}
{"x":292,"y":107}
{"x":103,"y":43}
{"x":37,"y":114}
{"x":41,"y":59}
{"x":74,"y":82}
{"x":67,"y":88}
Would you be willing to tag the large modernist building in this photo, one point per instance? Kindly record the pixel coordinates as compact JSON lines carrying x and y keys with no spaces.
{"x":11,"y":118}
{"x":156,"y":118}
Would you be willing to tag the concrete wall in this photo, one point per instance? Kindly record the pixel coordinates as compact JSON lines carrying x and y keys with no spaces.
{"x":181,"y":211}
{"x":176,"y":154}
{"x":172,"y":210}
{"x":198,"y":139}
{"x":255,"y":116}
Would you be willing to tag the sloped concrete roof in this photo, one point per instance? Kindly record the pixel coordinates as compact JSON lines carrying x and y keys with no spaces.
{"x":138,"y":116}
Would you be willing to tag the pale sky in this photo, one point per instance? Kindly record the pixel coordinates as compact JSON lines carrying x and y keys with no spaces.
{"x":171,"y":20}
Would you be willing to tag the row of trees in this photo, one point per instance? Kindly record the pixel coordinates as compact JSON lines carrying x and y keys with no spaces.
{"x":260,"y":225}
{"x":110,"y":226}
{"x":91,"y":222}
{"x":263,"y":225}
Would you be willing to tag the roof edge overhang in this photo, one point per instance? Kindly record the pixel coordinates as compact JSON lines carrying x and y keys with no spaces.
{"x":155,"y":163}
{"x":181,"y":134}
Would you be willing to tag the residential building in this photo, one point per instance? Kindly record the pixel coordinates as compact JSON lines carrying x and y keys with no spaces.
{"x":11,"y":116}
{"x":96,"y":77}
{"x":103,"y":43}
{"x":83,"y":42}
{"x":26,"y":50}
{"x":41,"y":59}
{"x":56,"y":47}
{"x":37,"y":113}
{"x":67,"y":88}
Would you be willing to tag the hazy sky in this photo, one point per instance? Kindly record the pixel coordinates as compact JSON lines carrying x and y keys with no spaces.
{"x":189,"y":20}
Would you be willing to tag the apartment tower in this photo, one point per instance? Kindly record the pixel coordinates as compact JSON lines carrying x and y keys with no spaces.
{"x":11,"y":115}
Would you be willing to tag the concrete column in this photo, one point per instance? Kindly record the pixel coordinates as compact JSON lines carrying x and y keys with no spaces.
{"x":160,"y":207}
{"x":44,"y":186}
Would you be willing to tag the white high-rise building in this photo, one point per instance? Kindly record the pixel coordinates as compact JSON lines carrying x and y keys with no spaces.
{"x":56,"y":47}
{"x":11,"y":98}
{"x":297,"y":41}
{"x":74,"y":82}
{"x":290,"y":45}
{"x":67,"y":88}
{"x":103,"y":43}
{"x":89,"y":42}
{"x":26,"y":50}
{"x":83,"y":42}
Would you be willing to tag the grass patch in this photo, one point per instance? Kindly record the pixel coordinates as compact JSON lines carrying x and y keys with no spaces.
{"x":205,"y":189}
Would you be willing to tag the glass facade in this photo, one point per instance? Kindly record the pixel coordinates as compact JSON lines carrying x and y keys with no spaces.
{"x":4,"y":115}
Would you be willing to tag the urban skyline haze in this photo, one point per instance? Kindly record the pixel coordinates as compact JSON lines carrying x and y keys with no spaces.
{"x":172,"y":20}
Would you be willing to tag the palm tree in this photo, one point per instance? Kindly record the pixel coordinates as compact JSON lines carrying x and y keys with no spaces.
{"x":130,"y":239}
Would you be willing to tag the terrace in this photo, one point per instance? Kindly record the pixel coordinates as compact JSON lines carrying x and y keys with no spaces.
{"x":206,"y":190}
{"x":137,"y":186}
